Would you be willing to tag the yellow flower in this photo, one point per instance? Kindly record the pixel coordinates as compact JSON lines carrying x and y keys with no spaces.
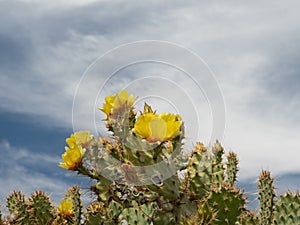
{"x":157,"y":128}
{"x":117,"y":101}
{"x":72,"y":158}
{"x":77,"y":143}
{"x":81,"y":138}
{"x":66,"y":208}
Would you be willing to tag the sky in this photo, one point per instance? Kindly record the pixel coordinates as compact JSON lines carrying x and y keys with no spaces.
{"x":49,"y":53}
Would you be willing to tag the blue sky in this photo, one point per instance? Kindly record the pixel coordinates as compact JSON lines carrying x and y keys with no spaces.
{"x":46,"y":46}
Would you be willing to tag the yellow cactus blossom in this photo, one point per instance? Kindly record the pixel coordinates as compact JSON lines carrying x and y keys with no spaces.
{"x":77,"y":143}
{"x":81,"y":138}
{"x":66,"y":208}
{"x":72,"y":157}
{"x":157,"y":128}
{"x":117,"y":101}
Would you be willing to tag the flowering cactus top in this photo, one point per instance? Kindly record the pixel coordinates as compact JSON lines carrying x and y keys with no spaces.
{"x":115,"y":102}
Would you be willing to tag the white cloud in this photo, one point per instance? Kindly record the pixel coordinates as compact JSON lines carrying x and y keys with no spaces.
{"x":59,"y":3}
{"x":242,"y":42}
{"x":27,"y":171}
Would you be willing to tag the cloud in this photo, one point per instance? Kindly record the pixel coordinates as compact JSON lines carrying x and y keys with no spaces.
{"x":252,"y":48}
{"x":23,"y":170}
{"x":57,"y":3}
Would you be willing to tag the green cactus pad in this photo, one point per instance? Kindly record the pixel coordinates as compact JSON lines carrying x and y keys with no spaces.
{"x":217,"y":167}
{"x":199,"y":171}
{"x":139,"y":214}
{"x":74,"y":194}
{"x":266,"y":196}
{"x":40,"y":208}
{"x":228,"y":203}
{"x":287,"y":210}
{"x":232,"y":168}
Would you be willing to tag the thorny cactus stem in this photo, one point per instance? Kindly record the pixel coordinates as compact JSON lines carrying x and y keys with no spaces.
{"x":266,"y":195}
{"x":232,"y":168}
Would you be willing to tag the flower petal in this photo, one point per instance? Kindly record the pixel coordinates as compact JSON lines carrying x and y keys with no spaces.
{"x":158,"y":128}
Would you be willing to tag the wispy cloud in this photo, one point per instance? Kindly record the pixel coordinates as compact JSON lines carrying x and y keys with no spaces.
{"x":23,"y":170}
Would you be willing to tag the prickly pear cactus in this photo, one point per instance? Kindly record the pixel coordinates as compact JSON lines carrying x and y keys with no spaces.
{"x":287,"y":209}
{"x":266,"y":197}
{"x":74,"y":194}
{"x":217,"y":166}
{"x":248,"y":218}
{"x":228,"y":203}
{"x":232,"y":168}
{"x":40,"y":208}
{"x":127,"y":187}
{"x":139,"y":214}
{"x":205,"y":216}
{"x":35,"y":210}
{"x":16,"y":205}
{"x":16,"y":202}
{"x":198,"y":171}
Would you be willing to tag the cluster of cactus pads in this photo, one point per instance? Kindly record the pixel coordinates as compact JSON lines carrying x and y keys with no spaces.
{"x":127,"y":188}
{"x":38,"y":209}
